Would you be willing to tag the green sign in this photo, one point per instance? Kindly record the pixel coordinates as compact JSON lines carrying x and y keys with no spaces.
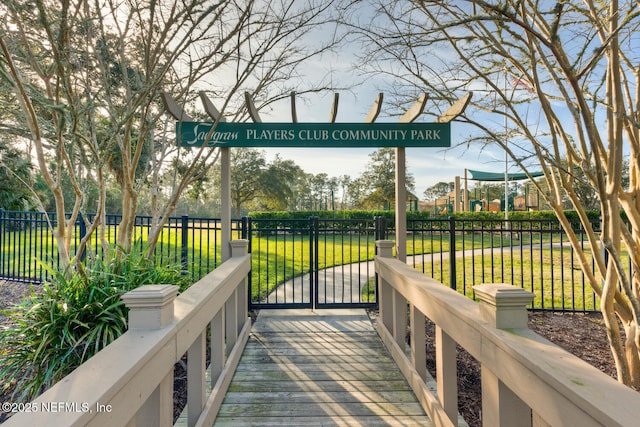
{"x":196,"y":134}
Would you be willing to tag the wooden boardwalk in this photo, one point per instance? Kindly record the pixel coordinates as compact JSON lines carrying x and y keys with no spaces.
{"x":318,"y":369}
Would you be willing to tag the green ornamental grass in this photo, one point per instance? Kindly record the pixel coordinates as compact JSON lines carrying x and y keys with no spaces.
{"x":54,"y":330}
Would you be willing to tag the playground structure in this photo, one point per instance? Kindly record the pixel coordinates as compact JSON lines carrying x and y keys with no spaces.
{"x":479,"y":200}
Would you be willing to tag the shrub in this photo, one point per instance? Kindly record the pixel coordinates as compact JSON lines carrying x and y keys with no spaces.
{"x":54,"y":330}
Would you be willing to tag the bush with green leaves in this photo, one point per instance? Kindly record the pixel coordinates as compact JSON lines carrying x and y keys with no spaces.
{"x":57,"y":328}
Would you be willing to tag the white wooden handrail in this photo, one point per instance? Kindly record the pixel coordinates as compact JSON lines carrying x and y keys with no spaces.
{"x":526,"y":380}
{"x":130,"y":382}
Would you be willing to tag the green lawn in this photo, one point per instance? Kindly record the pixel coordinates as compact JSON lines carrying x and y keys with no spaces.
{"x":553,"y":276}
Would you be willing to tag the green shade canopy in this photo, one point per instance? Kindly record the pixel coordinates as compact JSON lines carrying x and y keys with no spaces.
{"x":497,"y":176}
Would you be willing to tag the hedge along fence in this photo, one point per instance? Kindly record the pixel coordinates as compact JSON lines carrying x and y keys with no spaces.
{"x":343,"y":219}
{"x":498,"y":217}
{"x":487,"y":219}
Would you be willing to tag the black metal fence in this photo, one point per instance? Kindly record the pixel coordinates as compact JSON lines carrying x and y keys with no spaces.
{"x":532,"y":254}
{"x":27,"y":244}
{"x":328,"y":261}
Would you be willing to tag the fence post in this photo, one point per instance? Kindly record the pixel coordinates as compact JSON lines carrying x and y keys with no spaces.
{"x":503,"y":307}
{"x":151,"y":307}
{"x":244,"y":234}
{"x":376,"y":230}
{"x":184,"y":251}
{"x":83,"y":233}
{"x":314,"y":258}
{"x":380,"y":225}
{"x":452,"y":253}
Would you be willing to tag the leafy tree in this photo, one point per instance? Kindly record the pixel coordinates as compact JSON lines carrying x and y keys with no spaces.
{"x":248,"y":168}
{"x":438,"y":190}
{"x":303,"y":198}
{"x":15,"y":179}
{"x":344,"y":181}
{"x":355,"y":192}
{"x":279,"y":183}
{"x":319,"y":190}
{"x":85,"y":80}
{"x":380,"y":178}
{"x":556,"y":86}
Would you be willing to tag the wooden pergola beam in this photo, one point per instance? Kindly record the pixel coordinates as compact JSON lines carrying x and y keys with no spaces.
{"x":334,"y":108}
{"x":174,"y":109}
{"x":415,"y":110}
{"x":456,"y":109}
{"x":251,"y":108}
{"x":209,"y":108}
{"x":375,"y":109}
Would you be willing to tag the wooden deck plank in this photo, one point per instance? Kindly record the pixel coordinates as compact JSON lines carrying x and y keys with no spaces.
{"x":317,"y":409}
{"x":337,"y":350}
{"x":359,"y":340}
{"x":374,"y":421}
{"x":313,"y":363}
{"x":327,"y":386}
{"x":259,"y":374}
{"x":318,"y":370}
{"x":297,"y":356}
{"x":322,"y":396}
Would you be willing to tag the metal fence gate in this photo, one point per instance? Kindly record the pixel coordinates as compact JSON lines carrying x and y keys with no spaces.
{"x":313,"y":262}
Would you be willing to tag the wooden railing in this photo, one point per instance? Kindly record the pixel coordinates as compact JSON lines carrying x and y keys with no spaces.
{"x":130,"y":382}
{"x":526,"y":380}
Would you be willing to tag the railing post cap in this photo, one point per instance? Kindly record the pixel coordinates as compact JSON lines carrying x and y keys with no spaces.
{"x":385,"y":248}
{"x":385,"y":243}
{"x":150,"y":306}
{"x":150,"y":296}
{"x":239,"y":247}
{"x":503,"y":306}
{"x":239,"y":243}
{"x":503,"y":294}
